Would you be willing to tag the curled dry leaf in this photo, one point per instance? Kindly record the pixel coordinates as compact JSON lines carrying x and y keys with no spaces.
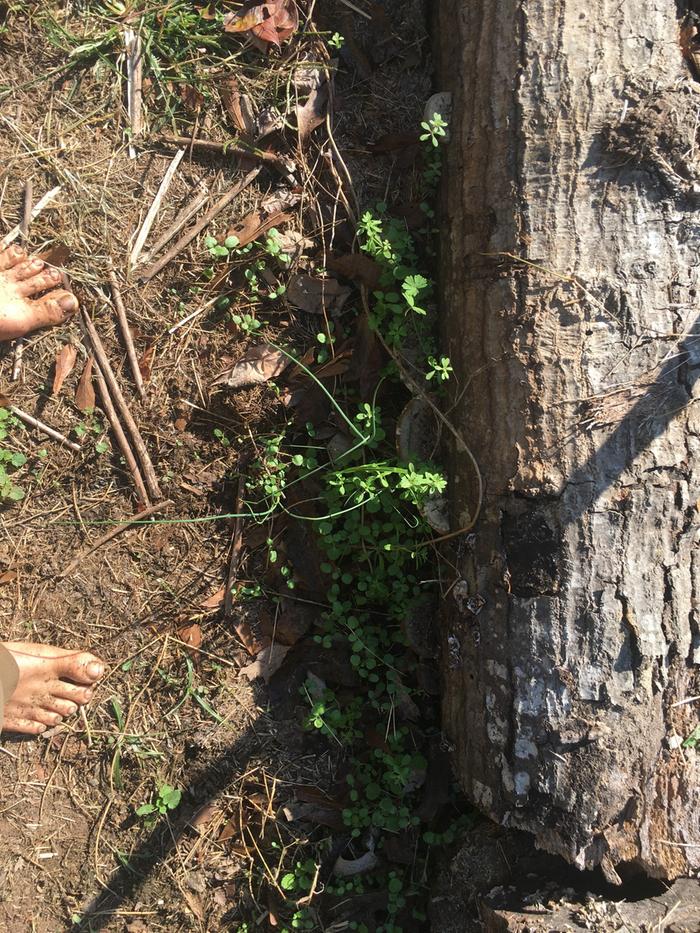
{"x":259,"y":364}
{"x":65,"y":361}
{"x":191,"y":98}
{"x":346,"y":868}
{"x":317,"y":296}
{"x":312,"y":112}
{"x":191,"y":635}
{"x":267,"y":663}
{"x":358,"y":267}
{"x":146,"y":362}
{"x":238,"y":107}
{"x":270,"y":23}
{"x":85,"y":393}
{"x":215,"y":600}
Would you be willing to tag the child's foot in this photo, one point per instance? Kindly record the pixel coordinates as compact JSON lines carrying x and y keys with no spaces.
{"x":52,"y":684}
{"x":21,"y":278}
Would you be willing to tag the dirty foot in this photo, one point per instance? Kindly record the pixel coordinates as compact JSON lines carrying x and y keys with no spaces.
{"x":52,"y":684}
{"x":21,"y":278}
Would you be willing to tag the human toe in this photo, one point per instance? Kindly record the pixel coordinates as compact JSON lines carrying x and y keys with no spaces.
{"x":58,"y":705}
{"x":54,"y":308}
{"x":39,"y":280}
{"x":83,"y":668}
{"x":23,"y":725}
{"x":11,"y":257}
{"x":67,"y":691}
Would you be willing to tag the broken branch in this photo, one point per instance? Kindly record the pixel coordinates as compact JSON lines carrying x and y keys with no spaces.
{"x":113,"y":532}
{"x":147,"y":274}
{"x":120,"y":403}
{"x":126,"y":332}
{"x":44,"y":428}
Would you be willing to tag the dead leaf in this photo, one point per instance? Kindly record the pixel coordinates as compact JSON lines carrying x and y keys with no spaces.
{"x":8,"y":576}
{"x":65,"y":361}
{"x":346,"y":868}
{"x":367,"y":359}
{"x":317,"y":296}
{"x":146,"y":362}
{"x":267,"y":663}
{"x":85,"y":393}
{"x":294,"y":621}
{"x":181,"y":424}
{"x":312,"y":113}
{"x":255,"y":224}
{"x":258,"y":365}
{"x":358,"y":267}
{"x":204,"y":816}
{"x":268,"y":121}
{"x":191,"y":98}
{"x":214,"y":601}
{"x":238,"y":108}
{"x":270,"y":22}
{"x":191,"y":635}
{"x":390,"y":142}
{"x":57,"y":255}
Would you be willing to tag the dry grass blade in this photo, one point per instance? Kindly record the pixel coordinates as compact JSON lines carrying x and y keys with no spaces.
{"x":36,"y":210}
{"x":134,"y":84}
{"x":155,"y":207}
{"x":186,"y":214}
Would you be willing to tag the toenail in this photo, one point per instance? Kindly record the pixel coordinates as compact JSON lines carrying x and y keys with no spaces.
{"x":95,"y":669}
{"x":69,"y":303}
{"x":15,"y":251}
{"x":37,"y":264}
{"x":55,"y":274}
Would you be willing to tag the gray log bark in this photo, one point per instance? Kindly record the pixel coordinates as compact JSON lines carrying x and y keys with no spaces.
{"x":570,"y":281}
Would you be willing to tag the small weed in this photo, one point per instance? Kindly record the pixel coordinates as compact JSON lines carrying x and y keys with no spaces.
{"x":221,"y":437}
{"x":166,"y":799}
{"x":439,"y":369}
{"x":10,"y":460}
{"x":336,"y":41}
{"x":434,"y":130}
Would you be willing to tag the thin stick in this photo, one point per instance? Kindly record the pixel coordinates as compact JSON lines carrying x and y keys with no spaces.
{"x":126,"y":332}
{"x":147,"y":274}
{"x":17,"y":360}
{"x":236,"y":543}
{"x":120,"y":437}
{"x":356,"y":9}
{"x":192,"y":315}
{"x":44,"y":428}
{"x":134,"y":84}
{"x":113,"y":532}
{"x":186,"y":214}
{"x":155,"y":207}
{"x":237,"y":152}
{"x":120,"y":403}
{"x":36,"y":210}
{"x":27,"y":210}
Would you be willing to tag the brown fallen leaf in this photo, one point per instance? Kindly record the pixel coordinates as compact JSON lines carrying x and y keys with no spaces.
{"x":204,"y":816}
{"x":215,"y":600}
{"x":191,"y":635}
{"x":191,"y":98}
{"x":85,"y":393}
{"x":317,"y":296}
{"x":312,"y":113}
{"x":254,"y":224}
{"x":357,"y":266}
{"x":56,"y":255}
{"x":8,"y":576}
{"x":146,"y":362}
{"x":238,"y":108}
{"x":259,"y":364}
{"x":267,"y":663}
{"x":65,"y":361}
{"x":270,"y":23}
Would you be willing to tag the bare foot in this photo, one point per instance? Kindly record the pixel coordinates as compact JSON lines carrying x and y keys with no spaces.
{"x":52,"y":684}
{"x":21,"y":278}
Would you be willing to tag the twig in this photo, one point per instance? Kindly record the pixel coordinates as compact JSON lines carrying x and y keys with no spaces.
{"x":121,"y":439}
{"x":237,"y":152}
{"x":134,"y":84}
{"x":236,"y":543}
{"x":356,"y":9}
{"x":684,"y":702}
{"x":155,"y":207}
{"x":120,"y":403}
{"x":113,"y":532}
{"x":44,"y":428}
{"x":27,"y":210}
{"x":147,"y":274}
{"x":185,"y":214}
{"x":36,"y":210}
{"x":17,"y":360}
{"x":192,"y":315}
{"x":126,"y":332}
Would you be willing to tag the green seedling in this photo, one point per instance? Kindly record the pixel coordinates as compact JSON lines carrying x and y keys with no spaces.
{"x":336,"y":41}
{"x":167,"y":799}
{"x":434,"y":130}
{"x":439,"y":369}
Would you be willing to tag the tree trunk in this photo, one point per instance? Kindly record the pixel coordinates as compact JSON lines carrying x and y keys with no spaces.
{"x":570,"y":267}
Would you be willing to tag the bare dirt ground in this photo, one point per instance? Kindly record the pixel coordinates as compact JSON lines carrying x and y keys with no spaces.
{"x":173,"y":708}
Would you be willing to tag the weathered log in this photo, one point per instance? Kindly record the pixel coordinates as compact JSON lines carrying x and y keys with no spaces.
{"x":570,"y":275}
